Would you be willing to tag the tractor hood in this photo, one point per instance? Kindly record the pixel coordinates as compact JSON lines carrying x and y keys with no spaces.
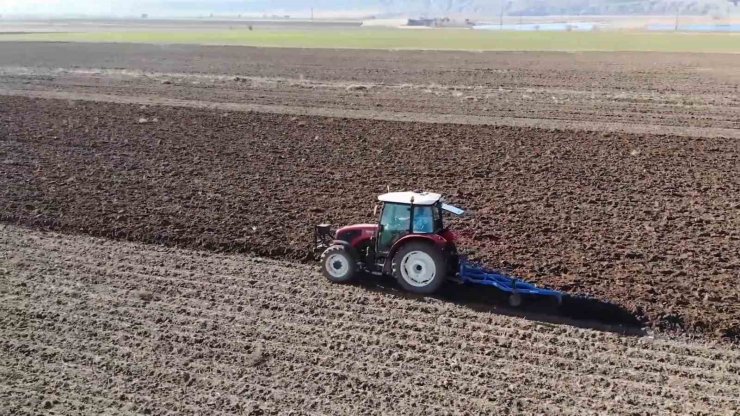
{"x":354,"y":234}
{"x":358,"y":227}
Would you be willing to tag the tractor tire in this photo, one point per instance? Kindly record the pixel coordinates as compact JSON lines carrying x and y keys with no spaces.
{"x":419,"y":267}
{"x":338,"y":264}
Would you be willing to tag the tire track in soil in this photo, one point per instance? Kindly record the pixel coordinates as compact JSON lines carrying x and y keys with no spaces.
{"x":649,"y":222}
{"x":535,"y":356}
{"x":80,"y":338}
{"x":347,"y":311}
{"x":277,"y":288}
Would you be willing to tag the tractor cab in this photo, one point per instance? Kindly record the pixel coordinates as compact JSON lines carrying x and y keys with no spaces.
{"x":409,"y":242}
{"x":409,"y":213}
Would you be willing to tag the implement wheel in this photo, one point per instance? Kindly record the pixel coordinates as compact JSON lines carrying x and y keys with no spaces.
{"x":419,"y":268}
{"x":338,"y":264}
{"x":515,"y":300}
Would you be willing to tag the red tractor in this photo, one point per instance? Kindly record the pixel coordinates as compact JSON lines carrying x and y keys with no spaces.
{"x":411,"y":243}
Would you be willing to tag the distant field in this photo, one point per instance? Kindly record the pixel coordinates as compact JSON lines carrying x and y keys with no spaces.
{"x":447,"y":39}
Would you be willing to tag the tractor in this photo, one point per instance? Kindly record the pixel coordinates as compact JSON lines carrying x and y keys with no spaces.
{"x":411,"y":243}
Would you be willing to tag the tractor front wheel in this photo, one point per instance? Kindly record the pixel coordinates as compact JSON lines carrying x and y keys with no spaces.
{"x":419,"y":268}
{"x":338,"y":264}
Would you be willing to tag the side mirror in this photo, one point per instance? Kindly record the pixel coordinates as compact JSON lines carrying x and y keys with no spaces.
{"x":375,"y":210}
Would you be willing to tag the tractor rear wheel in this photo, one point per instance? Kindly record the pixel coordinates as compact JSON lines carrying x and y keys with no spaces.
{"x":338,"y":264}
{"x":419,"y":268}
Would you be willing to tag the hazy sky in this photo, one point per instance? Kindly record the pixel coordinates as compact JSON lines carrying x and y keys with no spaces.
{"x":117,"y":7}
{"x":173,"y":7}
{"x":323,"y":8}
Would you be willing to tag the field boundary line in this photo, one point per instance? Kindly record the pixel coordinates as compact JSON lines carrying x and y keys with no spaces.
{"x":523,"y":122}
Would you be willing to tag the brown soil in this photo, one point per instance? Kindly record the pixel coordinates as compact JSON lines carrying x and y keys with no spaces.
{"x":647,"y":221}
{"x":91,"y":326}
{"x":620,"y":70}
{"x":680,"y":94}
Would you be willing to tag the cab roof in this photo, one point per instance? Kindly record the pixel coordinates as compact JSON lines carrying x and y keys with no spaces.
{"x":419,"y":198}
{"x":423,"y":198}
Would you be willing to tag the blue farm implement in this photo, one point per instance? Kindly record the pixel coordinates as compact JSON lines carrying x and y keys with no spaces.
{"x":411,"y":243}
{"x":470,"y":273}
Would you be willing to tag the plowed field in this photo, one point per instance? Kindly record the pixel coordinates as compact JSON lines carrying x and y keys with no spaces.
{"x":615,"y":176}
{"x":92,"y":326}
{"x":681,"y":94}
{"x":649,"y":222}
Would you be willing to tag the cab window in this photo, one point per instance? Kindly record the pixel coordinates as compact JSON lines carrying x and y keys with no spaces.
{"x":424,"y":219}
{"x":395,"y":221}
{"x":396,"y":217}
{"x":437,"y":212}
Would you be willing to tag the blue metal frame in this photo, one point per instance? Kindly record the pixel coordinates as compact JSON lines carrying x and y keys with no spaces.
{"x":479,"y":275}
